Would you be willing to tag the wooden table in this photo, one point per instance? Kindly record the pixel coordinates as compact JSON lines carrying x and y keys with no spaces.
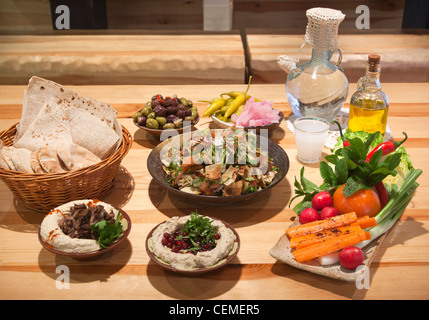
{"x":400,"y":269}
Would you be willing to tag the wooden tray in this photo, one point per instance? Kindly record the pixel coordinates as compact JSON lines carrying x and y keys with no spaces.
{"x":282,"y":252}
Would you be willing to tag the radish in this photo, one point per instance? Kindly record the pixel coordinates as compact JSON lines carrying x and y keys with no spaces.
{"x":321,"y":200}
{"x":308,"y":215}
{"x":351,"y":257}
{"x":328,"y":212}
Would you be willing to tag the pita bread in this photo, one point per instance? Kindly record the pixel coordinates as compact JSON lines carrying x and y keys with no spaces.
{"x":48,"y":128}
{"x":39,"y":90}
{"x":49,"y":161}
{"x":21,"y":159}
{"x":34,"y":162}
{"x":76,"y":157}
{"x":6,"y":152}
{"x":3,"y":163}
{"x":92,"y":134}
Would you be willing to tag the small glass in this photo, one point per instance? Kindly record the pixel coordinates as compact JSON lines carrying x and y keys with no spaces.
{"x":311,"y":134}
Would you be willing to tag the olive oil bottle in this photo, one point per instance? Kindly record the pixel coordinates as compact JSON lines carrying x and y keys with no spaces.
{"x":369,"y":105}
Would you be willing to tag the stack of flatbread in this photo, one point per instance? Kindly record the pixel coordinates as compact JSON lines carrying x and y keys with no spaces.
{"x":60,"y":131}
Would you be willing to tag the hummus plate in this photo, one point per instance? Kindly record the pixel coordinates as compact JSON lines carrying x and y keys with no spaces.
{"x":126,"y":224}
{"x":194,"y":271}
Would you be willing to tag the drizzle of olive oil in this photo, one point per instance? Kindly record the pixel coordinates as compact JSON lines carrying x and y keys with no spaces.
{"x":368,"y":115}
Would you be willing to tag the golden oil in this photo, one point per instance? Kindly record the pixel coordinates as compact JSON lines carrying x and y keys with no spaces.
{"x":368,"y":115}
{"x":369,"y":105}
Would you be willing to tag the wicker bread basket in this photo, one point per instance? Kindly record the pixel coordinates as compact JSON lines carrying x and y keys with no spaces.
{"x":43,"y":192}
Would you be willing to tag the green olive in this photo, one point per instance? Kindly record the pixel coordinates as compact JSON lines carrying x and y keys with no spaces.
{"x":194,"y":115}
{"x":148,"y":104}
{"x":194,"y":109}
{"x":190,"y":104}
{"x":151,"y":115}
{"x":161,"y":120}
{"x":169,"y":126}
{"x":136,"y":115}
{"x":188,"y":119}
{"x":184,"y":101}
{"x":152,"y":123}
{"x":146,"y":110}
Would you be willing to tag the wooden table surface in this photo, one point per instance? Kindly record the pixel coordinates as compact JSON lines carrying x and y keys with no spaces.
{"x":400,"y":269}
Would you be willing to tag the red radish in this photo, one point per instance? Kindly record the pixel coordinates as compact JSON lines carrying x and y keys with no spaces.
{"x":308,"y":215}
{"x":328,"y":212}
{"x":351,"y":257}
{"x":321,"y":200}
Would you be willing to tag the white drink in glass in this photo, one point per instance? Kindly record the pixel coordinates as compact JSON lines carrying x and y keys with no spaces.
{"x":310,"y":136}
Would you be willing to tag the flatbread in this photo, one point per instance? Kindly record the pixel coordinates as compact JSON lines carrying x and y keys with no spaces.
{"x":49,"y":127}
{"x":21,"y":159}
{"x":39,"y":90}
{"x":3,"y":163}
{"x":49,"y":160}
{"x":34,"y":162}
{"x":6,"y":152}
{"x":76,"y":157}
{"x":92,"y":134}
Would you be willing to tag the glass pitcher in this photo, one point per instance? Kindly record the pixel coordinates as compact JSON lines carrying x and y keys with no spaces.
{"x":317,"y":88}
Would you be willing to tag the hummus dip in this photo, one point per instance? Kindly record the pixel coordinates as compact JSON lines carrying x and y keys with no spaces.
{"x":53,"y":235}
{"x":184,"y":261}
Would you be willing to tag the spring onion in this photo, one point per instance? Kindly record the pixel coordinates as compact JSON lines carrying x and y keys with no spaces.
{"x":393,"y":210}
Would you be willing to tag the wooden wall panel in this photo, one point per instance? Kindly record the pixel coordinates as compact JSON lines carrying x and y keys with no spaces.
{"x":27,"y":16}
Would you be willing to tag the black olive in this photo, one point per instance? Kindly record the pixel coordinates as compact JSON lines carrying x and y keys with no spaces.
{"x":181,"y":113}
{"x":141,"y":121}
{"x":171,"y":110}
{"x":159,"y":111}
{"x":171,"y":118}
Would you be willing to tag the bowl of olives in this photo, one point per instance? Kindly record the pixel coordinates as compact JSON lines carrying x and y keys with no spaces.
{"x":169,"y":113}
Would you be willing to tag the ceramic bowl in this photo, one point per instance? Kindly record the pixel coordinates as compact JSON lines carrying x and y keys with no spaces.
{"x":197,"y":271}
{"x":93,"y":254}
{"x":171,"y":132}
{"x":155,"y":167}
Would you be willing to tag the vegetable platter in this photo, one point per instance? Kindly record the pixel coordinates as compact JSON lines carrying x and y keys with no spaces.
{"x":367,"y":185}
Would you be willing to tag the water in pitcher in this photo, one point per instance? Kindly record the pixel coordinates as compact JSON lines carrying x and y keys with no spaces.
{"x":319,"y":95}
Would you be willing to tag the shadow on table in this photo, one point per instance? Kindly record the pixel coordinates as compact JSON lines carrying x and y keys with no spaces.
{"x":119,"y":196}
{"x":85,"y":271}
{"x":205,"y":286}
{"x":398,"y":235}
{"x":253,"y":211}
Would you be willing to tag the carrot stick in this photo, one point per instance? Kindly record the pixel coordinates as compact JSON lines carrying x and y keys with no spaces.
{"x":367,"y":223}
{"x":322,"y":236}
{"x":335,"y":244}
{"x":319,"y":225}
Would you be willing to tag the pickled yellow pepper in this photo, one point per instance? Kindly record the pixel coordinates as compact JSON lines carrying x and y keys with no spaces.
{"x":216,"y":104}
{"x":238,"y":101}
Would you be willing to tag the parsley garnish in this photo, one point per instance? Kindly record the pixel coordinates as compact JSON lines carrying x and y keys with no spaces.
{"x":108,"y":232}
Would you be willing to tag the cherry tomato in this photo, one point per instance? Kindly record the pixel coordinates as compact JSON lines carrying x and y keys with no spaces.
{"x":351,"y":257}
{"x":363,"y":202}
